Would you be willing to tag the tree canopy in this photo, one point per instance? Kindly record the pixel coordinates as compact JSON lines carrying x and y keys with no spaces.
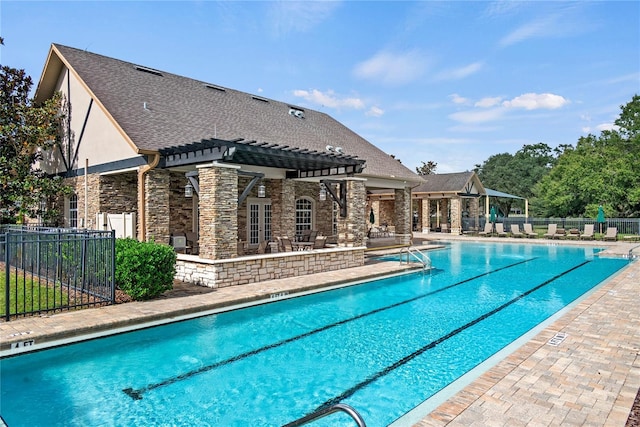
{"x":26,"y":130}
{"x":516,"y":174}
{"x":600,"y":170}
{"x":427,"y":168}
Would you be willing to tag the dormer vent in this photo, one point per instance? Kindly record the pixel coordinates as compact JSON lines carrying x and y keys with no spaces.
{"x":214,"y":87}
{"x":148,"y":70}
{"x":296,"y":112}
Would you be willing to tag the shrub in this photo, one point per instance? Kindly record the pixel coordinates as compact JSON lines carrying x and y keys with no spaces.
{"x":144,"y":270}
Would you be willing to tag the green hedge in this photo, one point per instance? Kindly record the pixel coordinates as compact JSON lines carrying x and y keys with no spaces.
{"x":144,"y":270}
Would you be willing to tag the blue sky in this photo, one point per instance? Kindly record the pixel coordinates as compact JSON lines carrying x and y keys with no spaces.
{"x":450,"y":82}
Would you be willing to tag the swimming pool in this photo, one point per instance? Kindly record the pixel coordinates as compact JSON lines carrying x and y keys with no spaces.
{"x":382,"y":347}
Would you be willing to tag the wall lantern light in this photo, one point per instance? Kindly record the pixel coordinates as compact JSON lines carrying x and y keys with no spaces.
{"x":323,"y":193}
{"x":188,"y":190}
{"x":262,"y":191}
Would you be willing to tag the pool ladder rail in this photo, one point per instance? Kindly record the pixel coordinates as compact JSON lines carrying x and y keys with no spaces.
{"x":321,"y":413}
{"x":412,"y":255}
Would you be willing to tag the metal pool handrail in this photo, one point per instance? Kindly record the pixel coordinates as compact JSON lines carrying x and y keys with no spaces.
{"x":321,"y":413}
{"x":422,"y":259}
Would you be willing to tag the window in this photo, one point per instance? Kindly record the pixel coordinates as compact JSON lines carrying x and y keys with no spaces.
{"x":73,"y":211}
{"x":304,"y":215}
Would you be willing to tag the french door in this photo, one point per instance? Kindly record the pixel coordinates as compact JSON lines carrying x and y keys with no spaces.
{"x":258,"y":220}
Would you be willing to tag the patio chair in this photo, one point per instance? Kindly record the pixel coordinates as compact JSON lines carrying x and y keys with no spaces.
{"x":488,"y":230}
{"x":515,"y":231}
{"x":286,"y":244}
{"x":262,"y":247}
{"x":611,"y":234}
{"x":588,"y":232}
{"x":573,"y":233}
{"x":551,"y":231}
{"x":319,"y":242}
{"x":528,"y":230}
{"x":500,"y":230}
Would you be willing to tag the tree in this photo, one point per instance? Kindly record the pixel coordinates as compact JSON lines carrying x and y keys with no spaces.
{"x":516,"y":174}
{"x":26,"y":130}
{"x":427,"y":168}
{"x":600,"y":170}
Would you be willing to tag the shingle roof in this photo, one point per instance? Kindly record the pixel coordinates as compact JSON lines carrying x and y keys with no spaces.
{"x":445,"y":182}
{"x":159,"y":110}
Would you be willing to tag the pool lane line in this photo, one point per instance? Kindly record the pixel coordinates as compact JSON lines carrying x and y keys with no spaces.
{"x":351,"y":391}
{"x":136,"y":394}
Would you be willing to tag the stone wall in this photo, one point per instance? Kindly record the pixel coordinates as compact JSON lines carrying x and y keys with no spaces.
{"x":259,"y":268}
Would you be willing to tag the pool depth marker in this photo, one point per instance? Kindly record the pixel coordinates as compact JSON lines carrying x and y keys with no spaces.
{"x":136,"y":394}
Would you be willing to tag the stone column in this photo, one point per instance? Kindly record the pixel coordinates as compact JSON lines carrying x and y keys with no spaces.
{"x":426,"y":215}
{"x":158,"y":192}
{"x":218,"y":205}
{"x":456,"y":216}
{"x":474,"y":212}
{"x":403,"y":215}
{"x":352,"y":230}
{"x":444,"y":212}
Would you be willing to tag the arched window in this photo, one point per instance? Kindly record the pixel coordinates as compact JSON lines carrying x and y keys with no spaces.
{"x":304,"y":215}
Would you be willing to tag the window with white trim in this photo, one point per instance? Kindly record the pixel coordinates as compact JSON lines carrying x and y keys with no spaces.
{"x":304,"y":215}
{"x":73,"y":211}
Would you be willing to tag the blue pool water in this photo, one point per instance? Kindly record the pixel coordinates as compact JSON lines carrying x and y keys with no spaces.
{"x":382,"y":347}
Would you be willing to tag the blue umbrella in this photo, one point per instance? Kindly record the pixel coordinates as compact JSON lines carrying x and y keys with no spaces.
{"x":492,"y":215}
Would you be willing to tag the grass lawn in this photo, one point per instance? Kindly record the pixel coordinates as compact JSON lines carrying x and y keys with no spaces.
{"x":28,"y":295}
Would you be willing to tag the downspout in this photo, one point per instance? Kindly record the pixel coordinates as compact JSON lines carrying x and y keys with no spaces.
{"x":142,"y":210}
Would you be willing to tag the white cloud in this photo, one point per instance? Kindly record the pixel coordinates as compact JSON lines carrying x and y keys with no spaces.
{"x":392,"y":68}
{"x":488,"y":102}
{"x":477,"y":116}
{"x":457,"y":99}
{"x":460,"y":73}
{"x":607,"y":126}
{"x":564,"y":23}
{"x":329,"y":99}
{"x":288,"y":16}
{"x":535,"y":101}
{"x":375,"y":112}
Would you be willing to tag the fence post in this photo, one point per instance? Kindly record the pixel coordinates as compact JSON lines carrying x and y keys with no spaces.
{"x":112,"y":240}
{"x":7,"y":276}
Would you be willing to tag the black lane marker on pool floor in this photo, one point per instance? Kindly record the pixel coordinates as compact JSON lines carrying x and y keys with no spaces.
{"x":348,"y":393}
{"x":136,"y":394}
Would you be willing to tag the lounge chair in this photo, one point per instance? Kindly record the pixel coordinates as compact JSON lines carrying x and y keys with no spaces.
{"x":611,"y":234}
{"x":515,"y":231}
{"x":551,"y":231}
{"x":500,"y":230}
{"x":528,"y":230}
{"x":488,"y":230}
{"x":588,"y":232}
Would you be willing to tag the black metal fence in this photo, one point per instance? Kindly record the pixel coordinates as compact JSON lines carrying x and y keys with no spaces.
{"x":625,"y":226}
{"x":52,"y":269}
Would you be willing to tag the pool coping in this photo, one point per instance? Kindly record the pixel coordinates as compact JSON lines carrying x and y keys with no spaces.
{"x":505,"y":395}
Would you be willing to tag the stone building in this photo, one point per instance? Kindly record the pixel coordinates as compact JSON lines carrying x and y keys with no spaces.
{"x":449,"y":202}
{"x":219,"y":166}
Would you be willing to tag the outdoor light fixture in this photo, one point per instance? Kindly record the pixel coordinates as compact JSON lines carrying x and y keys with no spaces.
{"x":323,"y":193}
{"x":188,"y":190}
{"x":262,"y":191}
